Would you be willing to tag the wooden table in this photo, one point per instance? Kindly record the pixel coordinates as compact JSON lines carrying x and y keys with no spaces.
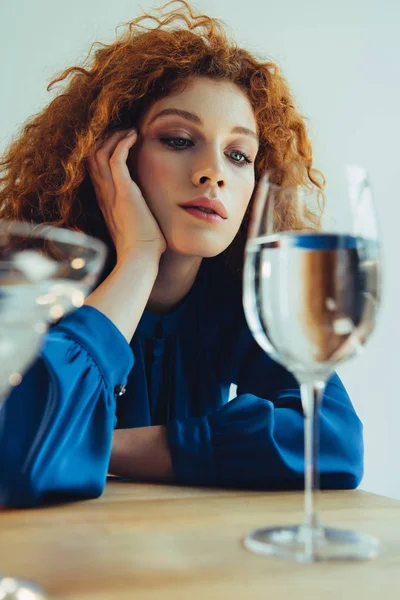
{"x":152,"y":541}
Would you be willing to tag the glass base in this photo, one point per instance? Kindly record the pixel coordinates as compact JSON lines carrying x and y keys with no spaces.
{"x":304,"y":544}
{"x":12,"y":588}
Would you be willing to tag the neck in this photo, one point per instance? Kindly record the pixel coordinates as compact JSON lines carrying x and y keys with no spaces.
{"x":176,"y":276}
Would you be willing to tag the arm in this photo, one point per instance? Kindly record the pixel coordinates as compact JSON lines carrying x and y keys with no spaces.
{"x":123,"y":295}
{"x":56,"y":427}
{"x":141,"y":453}
{"x":257,"y":439}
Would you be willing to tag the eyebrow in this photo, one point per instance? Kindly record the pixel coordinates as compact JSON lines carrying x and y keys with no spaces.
{"x":189,"y":116}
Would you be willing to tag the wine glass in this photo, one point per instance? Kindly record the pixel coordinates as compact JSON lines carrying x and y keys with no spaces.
{"x":311,"y":293}
{"x":45,"y":272}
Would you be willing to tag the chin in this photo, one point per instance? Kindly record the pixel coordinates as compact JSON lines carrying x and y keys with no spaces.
{"x":201,"y":246}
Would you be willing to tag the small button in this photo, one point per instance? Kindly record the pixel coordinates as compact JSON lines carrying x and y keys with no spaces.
{"x":119,"y":389}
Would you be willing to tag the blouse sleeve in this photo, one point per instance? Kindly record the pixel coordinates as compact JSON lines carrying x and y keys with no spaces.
{"x":56,"y":427}
{"x":257,"y":439}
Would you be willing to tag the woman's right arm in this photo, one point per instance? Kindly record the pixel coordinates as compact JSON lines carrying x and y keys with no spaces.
{"x":123,"y":295}
{"x":56,"y":427}
{"x":138,"y":239}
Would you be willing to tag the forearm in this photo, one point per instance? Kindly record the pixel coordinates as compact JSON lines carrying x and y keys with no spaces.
{"x":249,"y":441}
{"x":141,"y":453}
{"x":123,"y":295}
{"x":61,"y":416}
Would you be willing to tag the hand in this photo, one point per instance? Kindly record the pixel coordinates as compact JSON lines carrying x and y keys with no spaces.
{"x":131,"y":224}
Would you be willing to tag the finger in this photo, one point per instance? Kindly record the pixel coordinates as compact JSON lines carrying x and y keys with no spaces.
{"x":100,"y":173}
{"x":105,"y":147}
{"x":103,"y":154}
{"x":100,"y":162}
{"x":109,"y":143}
{"x":118,"y":161}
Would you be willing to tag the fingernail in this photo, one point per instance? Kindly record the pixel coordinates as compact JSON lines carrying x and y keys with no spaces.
{"x":132,"y":131}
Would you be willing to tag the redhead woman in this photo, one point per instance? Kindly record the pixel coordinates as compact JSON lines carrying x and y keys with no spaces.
{"x":156,"y":146}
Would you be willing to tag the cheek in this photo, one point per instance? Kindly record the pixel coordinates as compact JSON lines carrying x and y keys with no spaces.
{"x":246,"y":194}
{"x":155,"y":171}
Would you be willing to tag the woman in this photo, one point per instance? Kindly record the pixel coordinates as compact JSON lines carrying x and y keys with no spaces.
{"x":136,"y":382}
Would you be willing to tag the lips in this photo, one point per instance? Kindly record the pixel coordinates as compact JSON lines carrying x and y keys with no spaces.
{"x":216,"y":206}
{"x":199,"y":213}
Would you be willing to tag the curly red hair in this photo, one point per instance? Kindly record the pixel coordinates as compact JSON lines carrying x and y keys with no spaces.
{"x":44,"y":176}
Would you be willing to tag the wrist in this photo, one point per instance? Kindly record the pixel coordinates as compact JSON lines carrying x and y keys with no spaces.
{"x":141,"y":453}
{"x":144,"y":253}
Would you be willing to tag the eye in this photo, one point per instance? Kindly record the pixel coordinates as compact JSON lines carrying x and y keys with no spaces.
{"x":246,"y":160}
{"x":176,"y":143}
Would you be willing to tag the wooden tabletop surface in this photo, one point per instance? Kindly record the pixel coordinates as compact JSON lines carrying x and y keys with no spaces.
{"x":152,"y":541}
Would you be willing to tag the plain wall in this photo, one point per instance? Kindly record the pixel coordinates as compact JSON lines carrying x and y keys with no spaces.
{"x":342,"y":62}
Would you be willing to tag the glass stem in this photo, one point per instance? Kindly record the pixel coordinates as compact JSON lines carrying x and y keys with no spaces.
{"x":311,"y":394}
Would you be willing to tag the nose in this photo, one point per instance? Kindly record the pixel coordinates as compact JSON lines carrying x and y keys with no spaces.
{"x":209,"y":169}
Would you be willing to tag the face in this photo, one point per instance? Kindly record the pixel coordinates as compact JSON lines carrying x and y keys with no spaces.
{"x":207,"y":150}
